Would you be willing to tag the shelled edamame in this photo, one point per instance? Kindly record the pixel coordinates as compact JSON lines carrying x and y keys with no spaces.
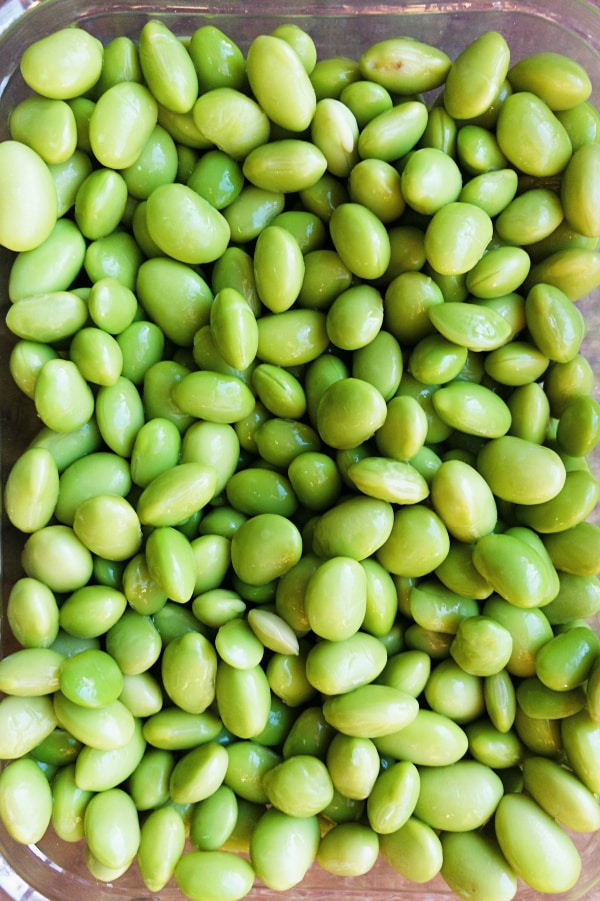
{"x":308,"y":570}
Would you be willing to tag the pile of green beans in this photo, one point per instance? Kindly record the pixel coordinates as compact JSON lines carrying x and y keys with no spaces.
{"x":308,"y":566}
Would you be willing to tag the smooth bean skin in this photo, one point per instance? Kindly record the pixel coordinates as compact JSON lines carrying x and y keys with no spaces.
{"x":258,"y":532}
{"x":414,"y":850}
{"x":474,"y":864}
{"x":554,"y":323}
{"x":243,"y":698}
{"x":176,"y":493}
{"x":423,"y":538}
{"x":108,"y":526}
{"x":122,"y":121}
{"x":430,"y":739}
{"x":288,"y":165}
{"x":234,"y":328}
{"x":31,"y":490}
{"x":25,"y":361}
{"x":472,"y":408}
{"x":141,"y":694}
{"x":530,"y":217}
{"x":218,"y":60}
{"x":100,"y":203}
{"x":580,"y":122}
{"x":578,"y":428}
{"x":119,"y":414}
{"x":214,"y":819}
{"x":456,"y":237}
{"x":380,"y":363}
{"x":580,"y":736}
{"x":162,"y":840}
{"x":537,"y":701}
{"x":349,"y":412}
{"x":134,"y":643}
{"x":99,"y":769}
{"x":552,"y":864}
{"x":30,"y":672}
{"x":191,"y":300}
{"x":393,"y":797}
{"x":405,"y":65}
{"x":328,"y":670}
{"x":335,"y":601}
{"x":32,"y":613}
{"x":430,"y":179}
{"x":214,"y":875}
{"x":67,"y":177}
{"x":62,"y":397}
{"x":111,"y":828}
{"x":561,"y":794}
{"x":46,"y":318}
{"x":198,"y":773}
{"x":57,"y":543}
{"x":161,"y":52}
{"x":466,"y":96}
{"x":173,"y":729}
{"x":436,"y":804}
{"x":371,"y":711}
{"x":91,"y":678}
{"x":279,"y":837}
{"x":454,"y":693}
{"x":509,"y":466}
{"x":349,"y":849}
{"x":356,"y":528}
{"x":481,"y":646}
{"x":205,"y":232}
{"x":365,"y":99}
{"x":378,"y":186}
{"x":76,"y":64}
{"x":97,"y":355}
{"x":156,"y":448}
{"x":50,"y":267}
{"x":560,"y":82}
{"x":286,"y":95}
{"x":248,"y":763}
{"x":360,"y":239}
{"x":572,"y":504}
{"x":213,"y":396}
{"x":353,"y":765}
{"x":68,"y":807}
{"x":25,"y":801}
{"x":188,"y":660}
{"x":463,"y":500}
{"x":106,"y":728}
{"x":573,"y":550}
{"x":299,"y":786}
{"x":531,"y":136}
{"x":530,"y":582}
{"x":529,"y":628}
{"x":566,"y":660}
{"x":278,"y":268}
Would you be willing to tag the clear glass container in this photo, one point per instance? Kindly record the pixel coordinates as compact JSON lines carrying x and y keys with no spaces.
{"x":56,"y":871}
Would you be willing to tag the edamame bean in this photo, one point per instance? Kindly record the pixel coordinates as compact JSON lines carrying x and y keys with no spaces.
{"x":551,"y":865}
{"x":436,"y":804}
{"x":414,"y":850}
{"x":404,"y":65}
{"x":561,"y":82}
{"x":280,"y":82}
{"x":25,"y":801}
{"x":531,"y":136}
{"x":63,"y":64}
{"x":472,"y":859}
{"x":393,"y":797}
{"x":215,"y":875}
{"x":278,"y":837}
